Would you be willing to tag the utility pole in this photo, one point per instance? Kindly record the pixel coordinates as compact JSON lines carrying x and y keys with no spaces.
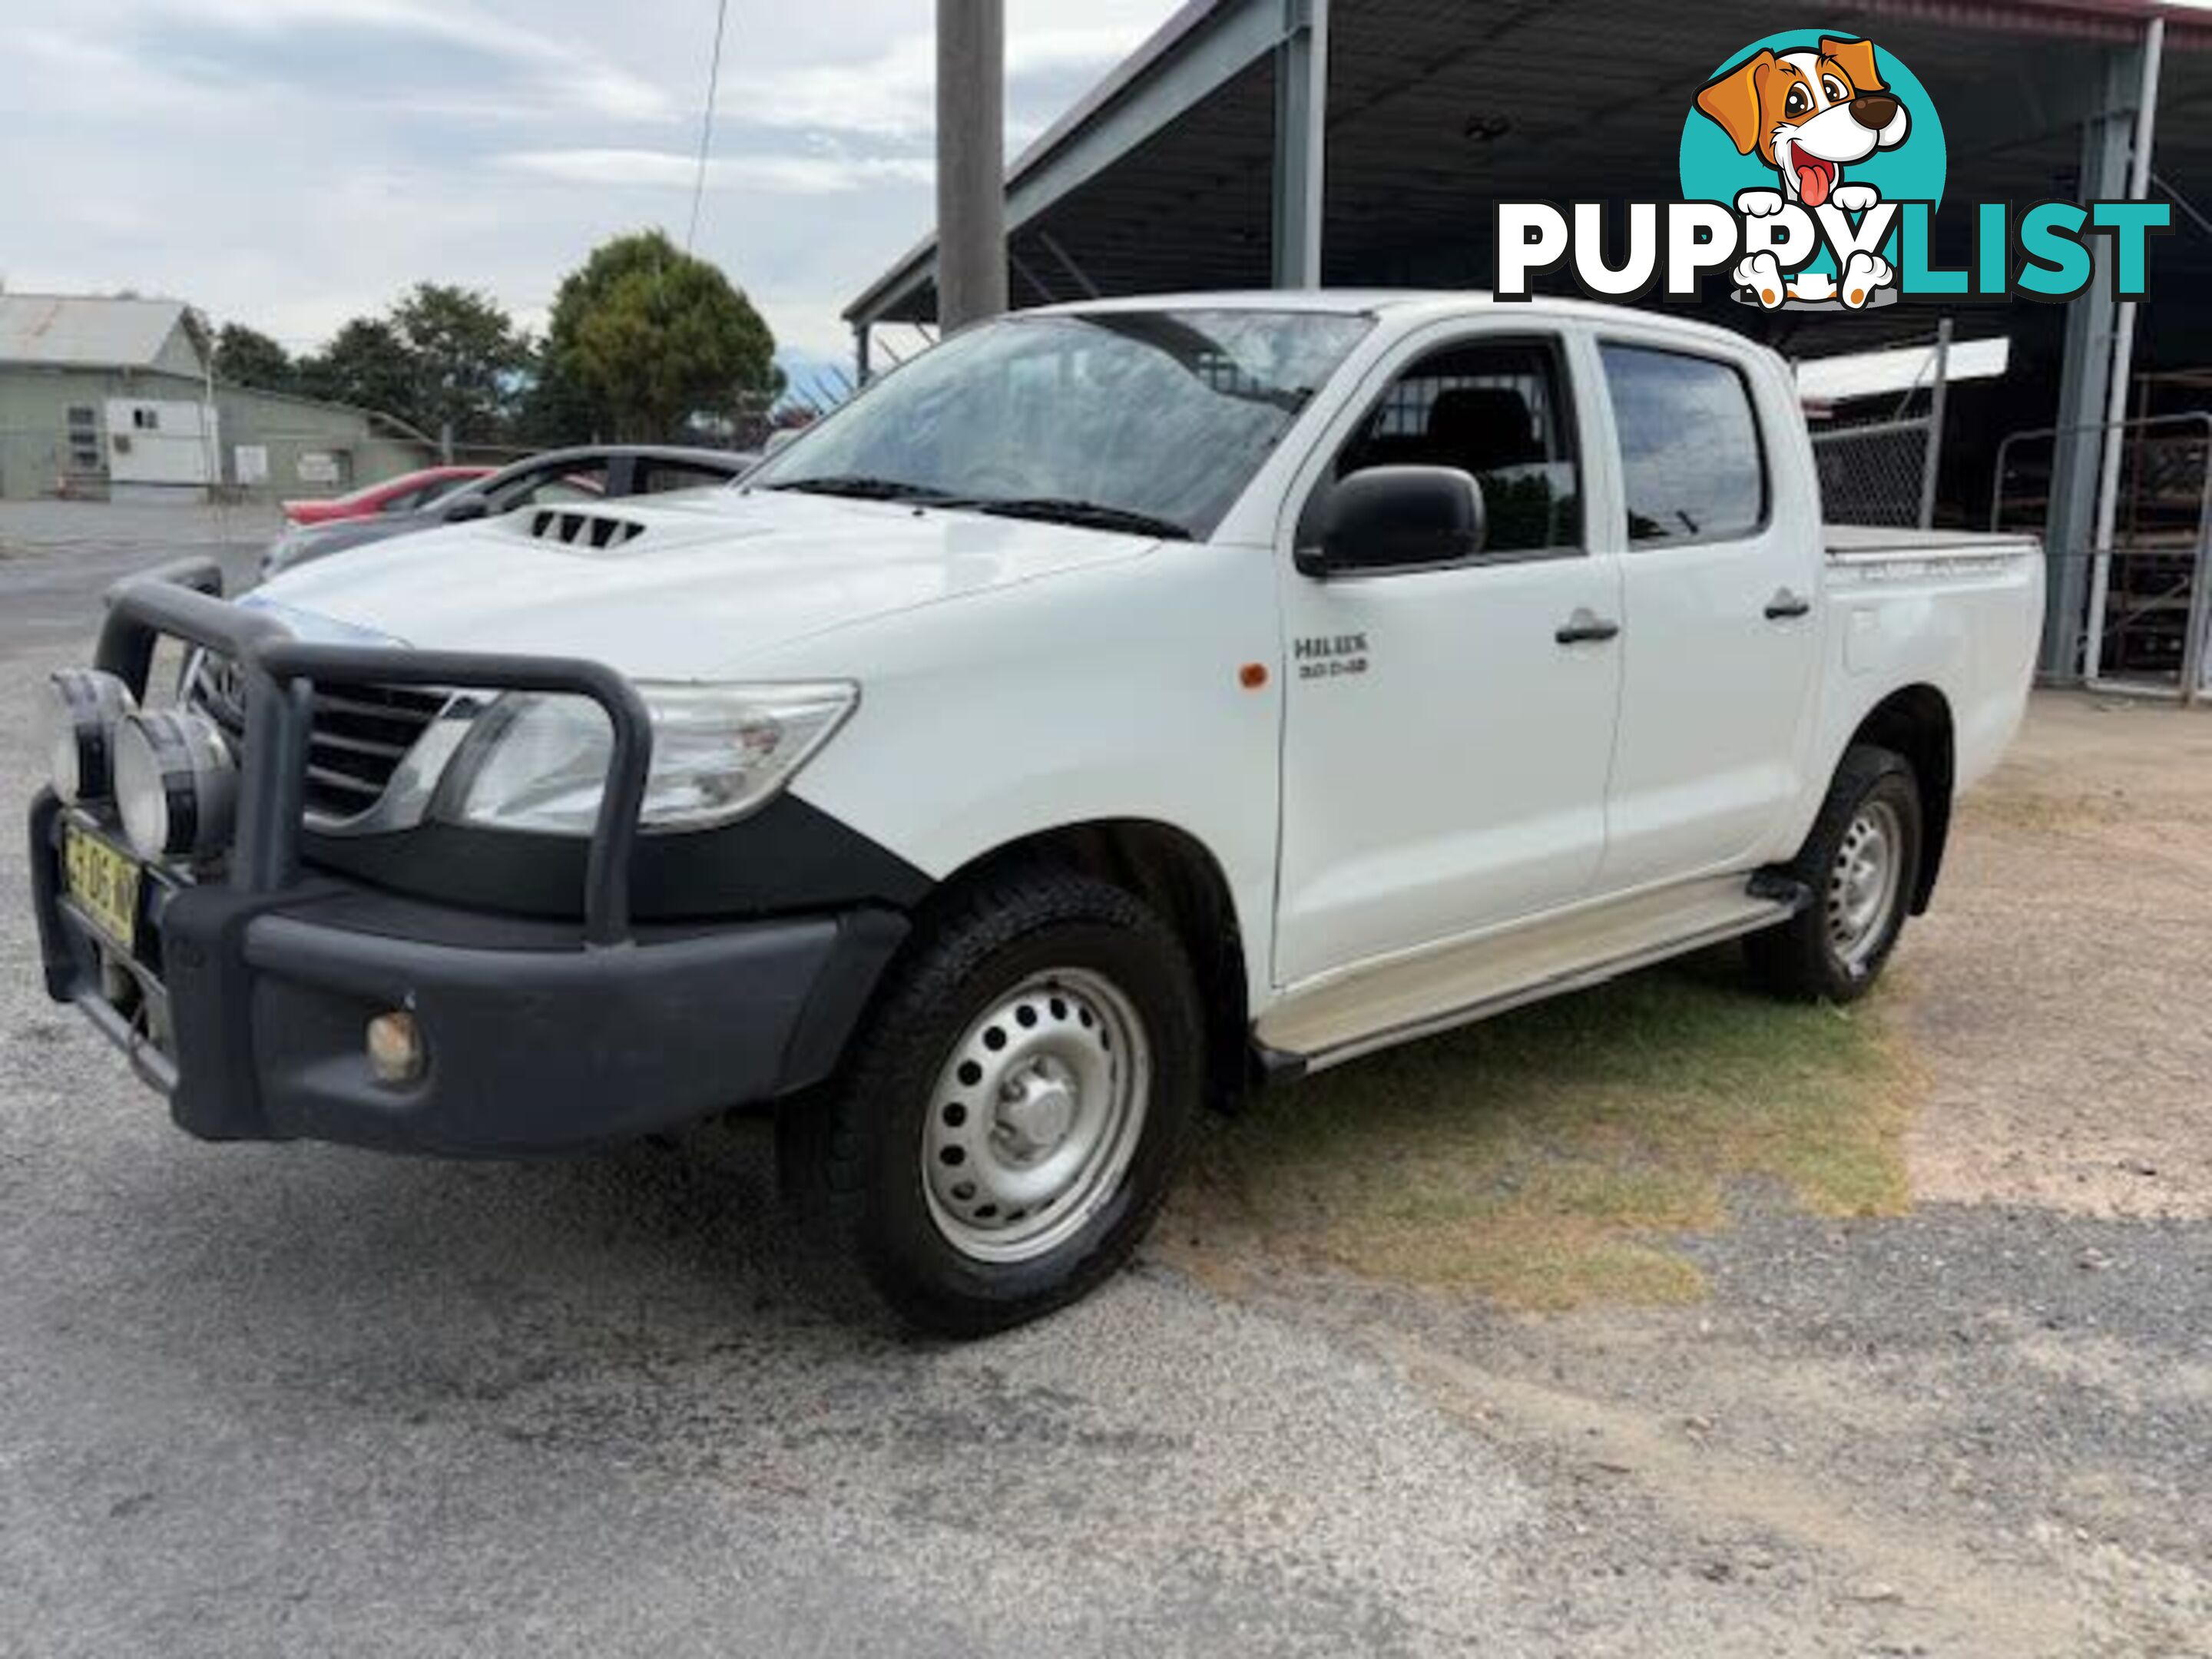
{"x":971,"y":199}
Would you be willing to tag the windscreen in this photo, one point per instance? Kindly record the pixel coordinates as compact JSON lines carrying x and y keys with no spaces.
{"x":1152,"y":422}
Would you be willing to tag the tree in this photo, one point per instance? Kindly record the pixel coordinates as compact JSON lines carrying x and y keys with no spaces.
{"x":466,"y":356}
{"x":644,"y":336}
{"x":245,"y":356}
{"x":196,"y":325}
{"x":366,"y":363}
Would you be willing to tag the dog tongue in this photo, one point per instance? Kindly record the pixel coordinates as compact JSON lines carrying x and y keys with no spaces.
{"x":1813,"y":185}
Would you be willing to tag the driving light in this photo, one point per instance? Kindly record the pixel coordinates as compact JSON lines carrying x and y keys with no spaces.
{"x":176,"y":784}
{"x":396,"y":1053}
{"x":540,"y":764}
{"x":77,"y":718}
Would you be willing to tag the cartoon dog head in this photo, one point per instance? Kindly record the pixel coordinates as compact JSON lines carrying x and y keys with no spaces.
{"x":1807,"y":112}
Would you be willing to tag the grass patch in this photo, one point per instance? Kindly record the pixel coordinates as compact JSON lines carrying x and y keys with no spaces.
{"x":1543,"y":1158}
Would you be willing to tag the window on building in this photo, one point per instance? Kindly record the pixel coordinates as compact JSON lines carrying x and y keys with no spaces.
{"x":1691,"y":460}
{"x":145,"y":419}
{"x":83,"y":438}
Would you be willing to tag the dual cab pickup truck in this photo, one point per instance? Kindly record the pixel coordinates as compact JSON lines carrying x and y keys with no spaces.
{"x":1114,"y":705}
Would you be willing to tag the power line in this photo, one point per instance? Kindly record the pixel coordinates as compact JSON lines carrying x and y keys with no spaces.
{"x":707,"y":121}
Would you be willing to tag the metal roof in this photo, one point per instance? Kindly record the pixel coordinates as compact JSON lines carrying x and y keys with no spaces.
{"x":1161,"y":177}
{"x":84,"y":332}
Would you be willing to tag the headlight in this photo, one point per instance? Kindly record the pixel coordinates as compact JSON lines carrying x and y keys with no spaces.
{"x":77,"y":720}
{"x":539,"y":762}
{"x":176,"y":784}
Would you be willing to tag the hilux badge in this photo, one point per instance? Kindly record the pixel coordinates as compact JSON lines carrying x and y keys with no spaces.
{"x":1329,"y":656}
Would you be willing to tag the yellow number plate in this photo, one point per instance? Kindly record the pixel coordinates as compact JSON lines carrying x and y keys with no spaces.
{"x":104,"y":884}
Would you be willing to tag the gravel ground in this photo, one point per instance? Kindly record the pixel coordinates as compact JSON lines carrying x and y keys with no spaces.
{"x":265,"y":1401}
{"x":2058,"y":986}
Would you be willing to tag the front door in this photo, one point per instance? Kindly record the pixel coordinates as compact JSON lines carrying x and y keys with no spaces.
{"x":1445,"y":748}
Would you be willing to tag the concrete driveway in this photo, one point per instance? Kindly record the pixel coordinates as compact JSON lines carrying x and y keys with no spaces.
{"x":275,"y":1401}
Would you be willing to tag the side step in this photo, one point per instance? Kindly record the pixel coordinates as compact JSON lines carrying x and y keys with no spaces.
{"x":1377,"y":1007}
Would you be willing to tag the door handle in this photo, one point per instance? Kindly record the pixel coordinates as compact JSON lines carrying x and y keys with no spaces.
{"x":1585,"y":625}
{"x":1786,"y":604}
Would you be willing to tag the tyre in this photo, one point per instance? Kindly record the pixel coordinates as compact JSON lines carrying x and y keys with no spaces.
{"x":1861,"y":863}
{"x":1008,"y":1120}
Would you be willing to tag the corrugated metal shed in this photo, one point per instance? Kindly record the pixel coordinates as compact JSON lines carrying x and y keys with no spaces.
{"x":1160,"y":178}
{"x":75,"y":331}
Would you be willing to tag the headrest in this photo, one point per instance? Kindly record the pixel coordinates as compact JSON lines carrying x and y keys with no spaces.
{"x":1488,"y":425}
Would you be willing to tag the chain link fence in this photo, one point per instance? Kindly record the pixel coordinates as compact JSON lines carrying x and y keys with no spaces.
{"x":1880,"y":468}
{"x":1876,"y":472}
{"x":2133,"y":612}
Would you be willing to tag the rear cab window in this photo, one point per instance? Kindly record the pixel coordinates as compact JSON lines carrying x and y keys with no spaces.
{"x":1693,"y":465}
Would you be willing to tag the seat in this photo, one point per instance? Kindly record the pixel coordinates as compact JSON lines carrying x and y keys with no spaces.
{"x":1481,"y":428}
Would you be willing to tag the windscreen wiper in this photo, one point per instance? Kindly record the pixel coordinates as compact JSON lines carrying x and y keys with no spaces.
{"x":859,"y":486}
{"x":1091,"y":515}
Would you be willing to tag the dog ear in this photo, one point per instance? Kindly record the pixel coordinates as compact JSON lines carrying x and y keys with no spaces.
{"x":1733,"y":100}
{"x":1858,"y":58}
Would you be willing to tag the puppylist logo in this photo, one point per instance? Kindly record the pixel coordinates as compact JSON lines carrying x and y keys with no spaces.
{"x":1812,"y":166}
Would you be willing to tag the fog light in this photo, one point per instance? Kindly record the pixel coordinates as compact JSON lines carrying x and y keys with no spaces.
{"x":176,"y":784}
{"x":77,"y":720}
{"x":396,"y":1050}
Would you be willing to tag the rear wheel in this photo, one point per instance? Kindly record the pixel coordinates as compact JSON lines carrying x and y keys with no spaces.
{"x":1009,"y":1120}
{"x":1861,"y":862}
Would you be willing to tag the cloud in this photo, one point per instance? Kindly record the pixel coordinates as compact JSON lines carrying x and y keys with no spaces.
{"x":893,"y":93}
{"x":292,"y":163}
{"x":782,"y":175}
{"x":564,"y":70}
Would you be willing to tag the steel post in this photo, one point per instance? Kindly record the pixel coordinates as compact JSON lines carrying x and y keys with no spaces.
{"x":1301,"y":141}
{"x":971,"y":191}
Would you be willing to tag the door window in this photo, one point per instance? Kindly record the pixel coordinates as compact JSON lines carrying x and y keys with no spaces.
{"x":660,"y":478}
{"x":1498,"y":410}
{"x":1692,"y":465}
{"x":564,"y":483}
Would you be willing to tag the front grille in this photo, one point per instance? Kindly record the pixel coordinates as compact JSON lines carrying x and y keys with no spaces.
{"x":359,"y":735}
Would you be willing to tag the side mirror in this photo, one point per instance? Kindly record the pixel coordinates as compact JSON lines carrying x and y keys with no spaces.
{"x":469,"y":507}
{"x":1388,"y":518}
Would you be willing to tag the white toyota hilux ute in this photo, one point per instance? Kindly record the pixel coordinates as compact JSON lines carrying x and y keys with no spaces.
{"x":1116,"y":705}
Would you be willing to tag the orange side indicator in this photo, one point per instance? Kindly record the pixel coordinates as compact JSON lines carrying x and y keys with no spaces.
{"x":1252,"y":675}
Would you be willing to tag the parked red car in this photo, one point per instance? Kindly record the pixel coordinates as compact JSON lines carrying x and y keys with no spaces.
{"x":408,"y":493}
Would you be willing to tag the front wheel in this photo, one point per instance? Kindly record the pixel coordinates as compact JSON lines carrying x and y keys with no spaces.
{"x":1010,"y":1118}
{"x":1861,"y":862}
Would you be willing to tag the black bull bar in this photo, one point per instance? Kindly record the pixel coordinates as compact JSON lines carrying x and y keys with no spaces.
{"x":278,"y":674}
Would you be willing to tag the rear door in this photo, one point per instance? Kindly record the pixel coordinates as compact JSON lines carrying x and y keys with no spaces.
{"x":1444,"y":749}
{"x":1720,"y":572}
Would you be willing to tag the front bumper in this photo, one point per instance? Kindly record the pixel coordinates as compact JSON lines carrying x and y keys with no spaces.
{"x":247,"y":1000}
{"x":251,"y":1012}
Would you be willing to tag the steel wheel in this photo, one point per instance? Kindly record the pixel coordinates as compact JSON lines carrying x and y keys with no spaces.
{"x":1864,"y":883}
{"x":1035,"y":1115}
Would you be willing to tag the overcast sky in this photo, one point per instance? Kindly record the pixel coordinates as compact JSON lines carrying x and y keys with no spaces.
{"x":292,"y":163}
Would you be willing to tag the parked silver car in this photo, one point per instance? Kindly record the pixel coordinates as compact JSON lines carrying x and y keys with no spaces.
{"x":590,"y":473}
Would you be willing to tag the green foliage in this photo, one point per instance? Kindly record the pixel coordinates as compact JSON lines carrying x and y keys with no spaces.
{"x":367,"y":364}
{"x":643,"y":340}
{"x":464,"y":354}
{"x":643,"y":337}
{"x":1545,"y":1158}
{"x":245,"y":356}
{"x":440,"y":355}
